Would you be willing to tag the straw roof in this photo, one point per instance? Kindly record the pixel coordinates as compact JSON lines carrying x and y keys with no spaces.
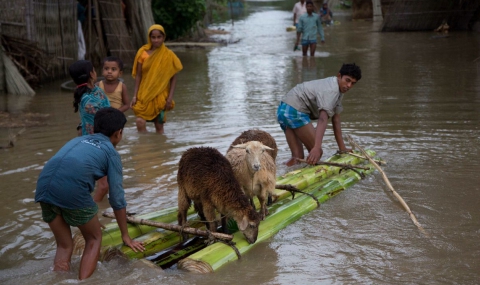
{"x":414,"y":15}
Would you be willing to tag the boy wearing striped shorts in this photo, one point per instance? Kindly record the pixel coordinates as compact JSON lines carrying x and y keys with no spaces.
{"x":315,"y":100}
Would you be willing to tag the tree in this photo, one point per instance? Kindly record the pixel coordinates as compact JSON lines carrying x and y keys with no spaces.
{"x":178,"y":17}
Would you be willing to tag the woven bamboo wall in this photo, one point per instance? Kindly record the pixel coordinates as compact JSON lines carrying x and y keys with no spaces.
{"x":139,"y":19}
{"x":415,"y":15}
{"x":13,"y":18}
{"x":51,"y":24}
{"x":118,"y":40}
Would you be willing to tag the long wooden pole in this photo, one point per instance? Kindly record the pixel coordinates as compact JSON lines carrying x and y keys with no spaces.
{"x":379,"y":162}
{"x":170,"y":227}
{"x":89,"y":17}
{"x":385,"y":178}
{"x":337,"y":164}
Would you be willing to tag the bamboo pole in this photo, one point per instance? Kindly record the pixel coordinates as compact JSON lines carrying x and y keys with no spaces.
{"x":385,"y":178}
{"x":336,"y":164}
{"x":98,"y":28}
{"x":62,"y":37}
{"x":176,"y":228}
{"x":89,"y":19}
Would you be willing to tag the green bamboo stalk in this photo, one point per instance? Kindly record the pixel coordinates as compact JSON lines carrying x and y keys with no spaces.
{"x":214,"y":256}
{"x":171,"y":256}
{"x":157,"y":240}
{"x":322,"y":171}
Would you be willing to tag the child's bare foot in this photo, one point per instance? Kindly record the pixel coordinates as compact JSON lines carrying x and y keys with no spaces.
{"x":291,"y":162}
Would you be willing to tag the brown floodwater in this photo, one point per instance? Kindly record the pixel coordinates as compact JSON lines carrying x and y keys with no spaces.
{"x":417,"y":106}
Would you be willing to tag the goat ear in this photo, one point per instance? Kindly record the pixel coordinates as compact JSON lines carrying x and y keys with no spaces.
{"x":266,"y":147}
{"x":243,"y":224}
{"x":240,"y":146}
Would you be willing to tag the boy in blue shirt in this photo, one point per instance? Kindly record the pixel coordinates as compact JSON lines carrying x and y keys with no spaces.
{"x":65,"y":185}
{"x":309,"y":24}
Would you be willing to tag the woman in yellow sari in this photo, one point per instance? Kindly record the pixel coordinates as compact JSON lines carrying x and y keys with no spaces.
{"x":154,"y":70}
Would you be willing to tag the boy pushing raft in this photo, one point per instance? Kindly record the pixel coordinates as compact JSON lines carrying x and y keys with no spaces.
{"x":65,"y":185}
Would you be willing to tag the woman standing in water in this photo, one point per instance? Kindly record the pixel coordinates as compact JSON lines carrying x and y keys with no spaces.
{"x":154,"y":70}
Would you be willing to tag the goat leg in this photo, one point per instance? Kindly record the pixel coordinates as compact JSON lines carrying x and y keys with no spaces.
{"x":263,"y":207}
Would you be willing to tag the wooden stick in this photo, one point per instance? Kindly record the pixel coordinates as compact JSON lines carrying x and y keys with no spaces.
{"x":400,"y":199}
{"x":170,"y":227}
{"x":336,"y":164}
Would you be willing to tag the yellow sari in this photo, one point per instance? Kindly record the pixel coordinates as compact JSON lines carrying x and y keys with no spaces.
{"x":157,"y":70}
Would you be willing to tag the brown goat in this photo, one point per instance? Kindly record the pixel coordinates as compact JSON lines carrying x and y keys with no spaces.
{"x":206,"y":177}
{"x":257,"y":135}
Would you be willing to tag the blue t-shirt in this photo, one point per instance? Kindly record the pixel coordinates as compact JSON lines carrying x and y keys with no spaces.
{"x":68,"y":178}
{"x":90,"y":103}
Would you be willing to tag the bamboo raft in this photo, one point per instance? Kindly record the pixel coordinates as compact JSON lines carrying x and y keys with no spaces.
{"x":163,"y":248}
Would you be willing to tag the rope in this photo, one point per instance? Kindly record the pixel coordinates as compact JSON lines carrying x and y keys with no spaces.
{"x":232,"y":245}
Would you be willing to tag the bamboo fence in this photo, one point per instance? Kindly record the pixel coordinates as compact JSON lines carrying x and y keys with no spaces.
{"x":49,"y":27}
{"x":118,"y":40}
{"x":139,"y":18}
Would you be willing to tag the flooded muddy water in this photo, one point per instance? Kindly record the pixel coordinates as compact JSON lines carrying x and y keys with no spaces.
{"x":417,"y":106}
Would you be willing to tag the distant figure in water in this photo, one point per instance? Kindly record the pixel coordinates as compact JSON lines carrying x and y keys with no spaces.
{"x":309,"y":25}
{"x":326,"y":14}
{"x":443,"y":28}
{"x":299,"y":9}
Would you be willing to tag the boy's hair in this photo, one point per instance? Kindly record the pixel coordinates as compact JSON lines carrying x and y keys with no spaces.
{"x":352,"y":70}
{"x":80,"y":73}
{"x":108,"y":120}
{"x":308,"y":2}
{"x":113,"y":58}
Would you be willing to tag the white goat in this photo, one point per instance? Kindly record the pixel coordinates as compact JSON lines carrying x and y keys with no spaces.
{"x":255,"y":170}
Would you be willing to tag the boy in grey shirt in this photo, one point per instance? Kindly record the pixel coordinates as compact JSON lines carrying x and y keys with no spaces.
{"x":318,"y":99}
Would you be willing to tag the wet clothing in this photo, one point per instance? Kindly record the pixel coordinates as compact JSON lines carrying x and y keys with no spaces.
{"x":313,"y":96}
{"x":299,"y":9}
{"x":308,"y":42}
{"x":115,"y":97}
{"x":157,"y":70}
{"x":289,"y":117}
{"x":74,"y":218}
{"x":90,"y":103}
{"x":310,"y":26}
{"x":68,"y":178}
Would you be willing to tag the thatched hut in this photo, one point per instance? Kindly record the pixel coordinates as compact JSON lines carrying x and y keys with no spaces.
{"x":408,"y":15}
{"x":41,"y":36}
{"x":418,"y":15}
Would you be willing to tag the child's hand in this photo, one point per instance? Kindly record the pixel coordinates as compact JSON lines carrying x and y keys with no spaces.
{"x":134,"y":100}
{"x":314,"y":156}
{"x":134,"y":245}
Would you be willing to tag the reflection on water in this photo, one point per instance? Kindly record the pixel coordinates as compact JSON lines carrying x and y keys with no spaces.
{"x":417,"y":105}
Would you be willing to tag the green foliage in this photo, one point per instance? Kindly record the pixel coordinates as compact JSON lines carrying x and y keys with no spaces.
{"x":177,"y":17}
